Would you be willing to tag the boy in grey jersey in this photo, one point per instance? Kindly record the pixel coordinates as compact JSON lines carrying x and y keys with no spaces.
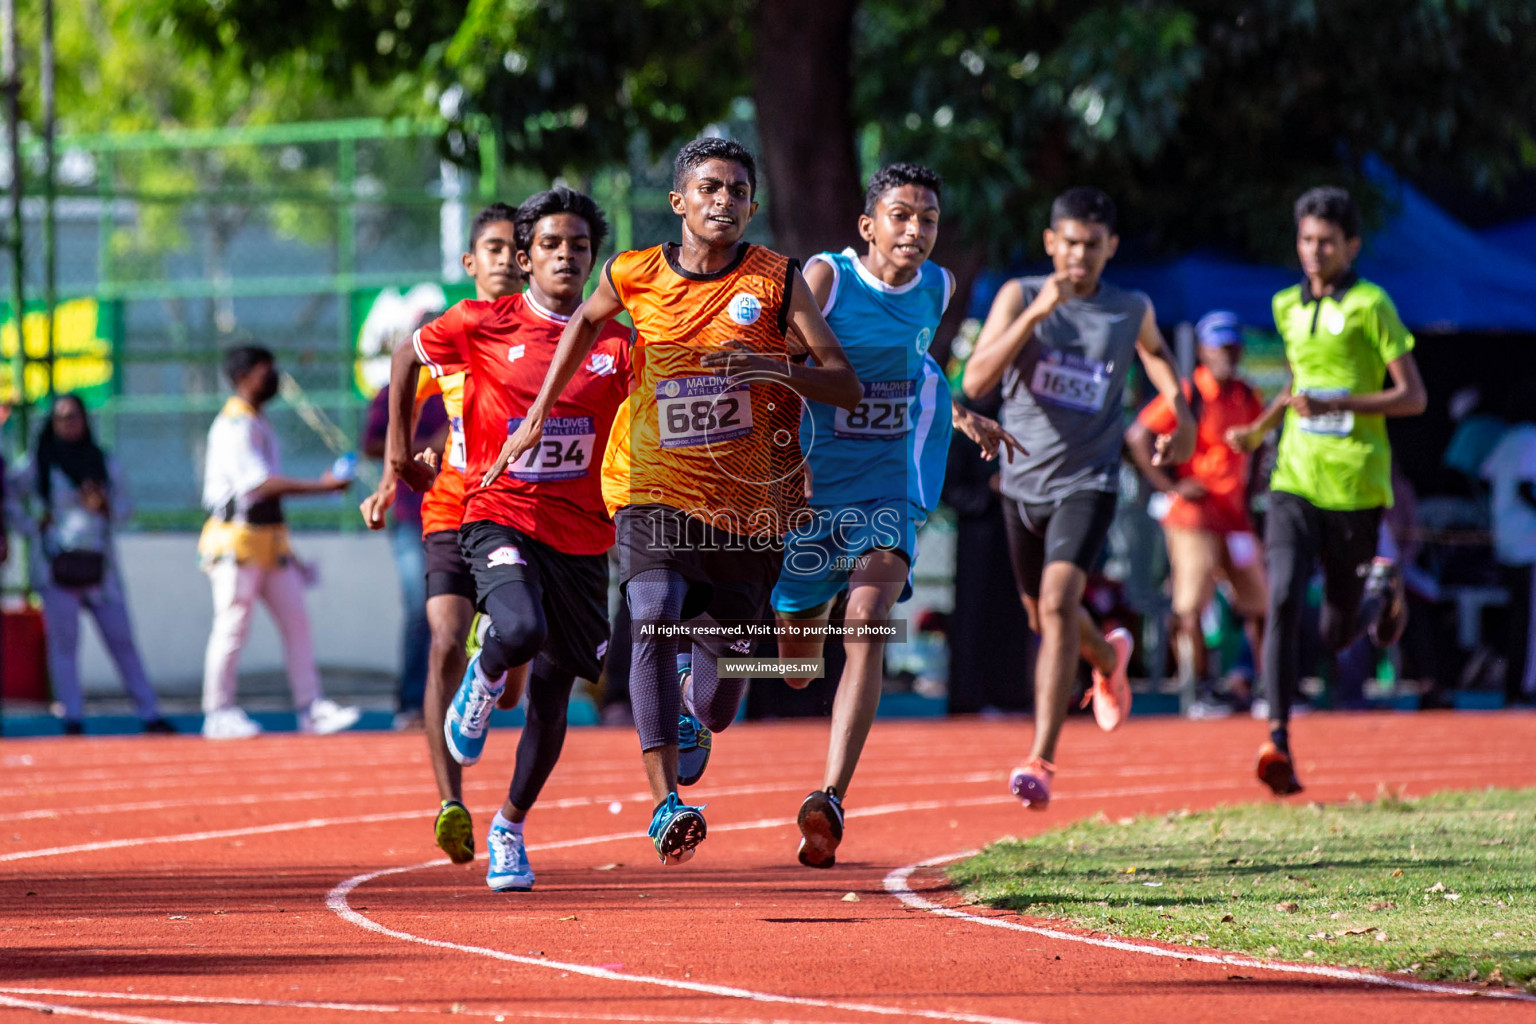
{"x":1061,"y":347}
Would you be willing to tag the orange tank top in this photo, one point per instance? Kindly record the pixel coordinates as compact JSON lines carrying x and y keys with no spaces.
{"x":442,"y":508}
{"x":724,"y":452}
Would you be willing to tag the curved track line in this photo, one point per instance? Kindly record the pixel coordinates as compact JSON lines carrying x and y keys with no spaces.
{"x":75,"y":1011}
{"x":336,"y":901}
{"x":896,"y":883}
{"x":301,"y":1004}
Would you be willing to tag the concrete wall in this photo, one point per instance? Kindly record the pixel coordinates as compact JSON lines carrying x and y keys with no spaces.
{"x":355,"y":610}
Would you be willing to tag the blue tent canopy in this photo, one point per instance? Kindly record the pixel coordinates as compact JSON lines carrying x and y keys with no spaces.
{"x":1441,"y":274}
{"x":1518,"y":237}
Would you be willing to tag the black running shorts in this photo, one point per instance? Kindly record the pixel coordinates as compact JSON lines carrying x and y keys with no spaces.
{"x":730,"y":576}
{"x":1073,"y":529}
{"x":572,"y":588}
{"x":447,"y":572}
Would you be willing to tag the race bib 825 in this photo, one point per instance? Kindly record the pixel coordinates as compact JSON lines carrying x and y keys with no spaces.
{"x":884,"y":415}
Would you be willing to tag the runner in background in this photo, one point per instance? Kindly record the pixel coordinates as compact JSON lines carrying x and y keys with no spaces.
{"x":1061,"y":347}
{"x":1204,"y":503}
{"x":1333,"y":474}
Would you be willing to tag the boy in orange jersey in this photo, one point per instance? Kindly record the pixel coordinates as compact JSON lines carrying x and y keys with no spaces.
{"x":703,"y":470}
{"x":491,"y":263}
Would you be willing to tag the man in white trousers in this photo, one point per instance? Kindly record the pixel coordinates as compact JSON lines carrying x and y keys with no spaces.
{"x":244,"y":550}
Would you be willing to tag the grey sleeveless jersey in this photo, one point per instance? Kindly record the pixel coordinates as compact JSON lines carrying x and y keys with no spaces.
{"x":1063,"y":395}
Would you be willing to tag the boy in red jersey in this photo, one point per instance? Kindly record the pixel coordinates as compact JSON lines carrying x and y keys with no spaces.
{"x":535,"y":537}
{"x":491,"y":263}
{"x":703,"y":470}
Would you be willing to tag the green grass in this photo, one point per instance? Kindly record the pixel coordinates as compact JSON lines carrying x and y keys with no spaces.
{"x":1443,"y":886}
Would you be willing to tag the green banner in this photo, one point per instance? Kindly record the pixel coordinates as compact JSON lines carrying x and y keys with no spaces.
{"x":82,"y":351}
{"x":388,"y":316}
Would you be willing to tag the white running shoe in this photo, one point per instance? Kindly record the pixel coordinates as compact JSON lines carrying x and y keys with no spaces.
{"x":229,"y":724}
{"x":326,"y":716}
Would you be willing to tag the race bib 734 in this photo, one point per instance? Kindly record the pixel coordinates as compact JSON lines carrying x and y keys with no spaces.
{"x":563,"y":453}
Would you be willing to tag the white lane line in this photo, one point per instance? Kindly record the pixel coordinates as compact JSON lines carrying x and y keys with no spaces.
{"x":75,"y":1011}
{"x":145,"y":997}
{"x":194,"y":837}
{"x":48,"y":813}
{"x":300,"y":1004}
{"x":897,"y":884}
{"x":336,"y":900}
{"x":365,"y":819}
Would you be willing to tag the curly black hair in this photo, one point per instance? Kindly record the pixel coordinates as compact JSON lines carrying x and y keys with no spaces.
{"x":558,"y":200}
{"x":485,"y":218}
{"x":1085,"y":204}
{"x":896,"y":175}
{"x":1330,"y":203}
{"x":711,"y":148}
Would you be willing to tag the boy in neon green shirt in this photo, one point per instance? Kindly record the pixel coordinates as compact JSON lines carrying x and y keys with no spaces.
{"x":1333,"y":476}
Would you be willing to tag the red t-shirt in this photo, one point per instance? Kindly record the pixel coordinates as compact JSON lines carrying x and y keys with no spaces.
{"x":552,"y":494}
{"x":1220,"y":470}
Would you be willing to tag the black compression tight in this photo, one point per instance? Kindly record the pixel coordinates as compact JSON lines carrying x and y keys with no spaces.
{"x":518,"y":629}
{"x":549,"y":695}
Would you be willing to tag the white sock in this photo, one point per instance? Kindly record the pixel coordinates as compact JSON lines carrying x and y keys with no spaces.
{"x":493,"y":685}
{"x":502,"y":821}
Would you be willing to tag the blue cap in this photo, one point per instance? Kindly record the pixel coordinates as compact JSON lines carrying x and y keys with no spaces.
{"x":1219,"y":328}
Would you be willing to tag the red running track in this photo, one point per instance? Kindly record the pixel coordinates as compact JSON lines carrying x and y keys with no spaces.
{"x":294,"y":878}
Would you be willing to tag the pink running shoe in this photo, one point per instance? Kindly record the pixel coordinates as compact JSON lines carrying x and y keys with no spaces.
{"x":1112,"y":695}
{"x":1032,"y":783}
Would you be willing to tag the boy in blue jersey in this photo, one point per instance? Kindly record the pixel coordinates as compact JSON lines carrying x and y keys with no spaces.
{"x":874,"y":471}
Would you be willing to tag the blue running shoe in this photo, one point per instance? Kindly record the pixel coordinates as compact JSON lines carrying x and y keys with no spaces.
{"x":465,"y":724}
{"x":509,"y":870}
{"x":693,"y":743}
{"x":676,"y":829}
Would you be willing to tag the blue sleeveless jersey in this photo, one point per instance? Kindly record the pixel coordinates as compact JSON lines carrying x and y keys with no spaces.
{"x":896,"y":442}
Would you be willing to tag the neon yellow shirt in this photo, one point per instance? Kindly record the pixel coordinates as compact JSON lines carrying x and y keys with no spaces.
{"x":1338,"y":345}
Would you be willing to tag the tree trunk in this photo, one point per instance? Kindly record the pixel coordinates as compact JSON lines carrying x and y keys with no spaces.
{"x":802,"y":88}
{"x":966,"y":260}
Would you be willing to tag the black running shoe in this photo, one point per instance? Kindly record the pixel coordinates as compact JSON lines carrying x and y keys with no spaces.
{"x":821,"y":828}
{"x":1385,"y":579}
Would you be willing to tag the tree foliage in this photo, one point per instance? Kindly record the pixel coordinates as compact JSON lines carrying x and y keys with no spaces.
{"x":1203,"y":117}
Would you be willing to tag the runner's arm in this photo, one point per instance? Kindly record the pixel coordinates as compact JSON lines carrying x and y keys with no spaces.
{"x":985,"y":431}
{"x":399,"y":458}
{"x":576,"y":341}
{"x":1009,"y":327}
{"x":1405,"y":397}
{"x":830,"y":380}
{"x":819,"y":278}
{"x":1139,"y":442}
{"x":1247,"y":439}
{"x":1169,"y":449}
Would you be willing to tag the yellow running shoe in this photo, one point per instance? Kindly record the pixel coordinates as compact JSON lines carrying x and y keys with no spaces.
{"x":476,"y":639}
{"x":455,"y":831}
